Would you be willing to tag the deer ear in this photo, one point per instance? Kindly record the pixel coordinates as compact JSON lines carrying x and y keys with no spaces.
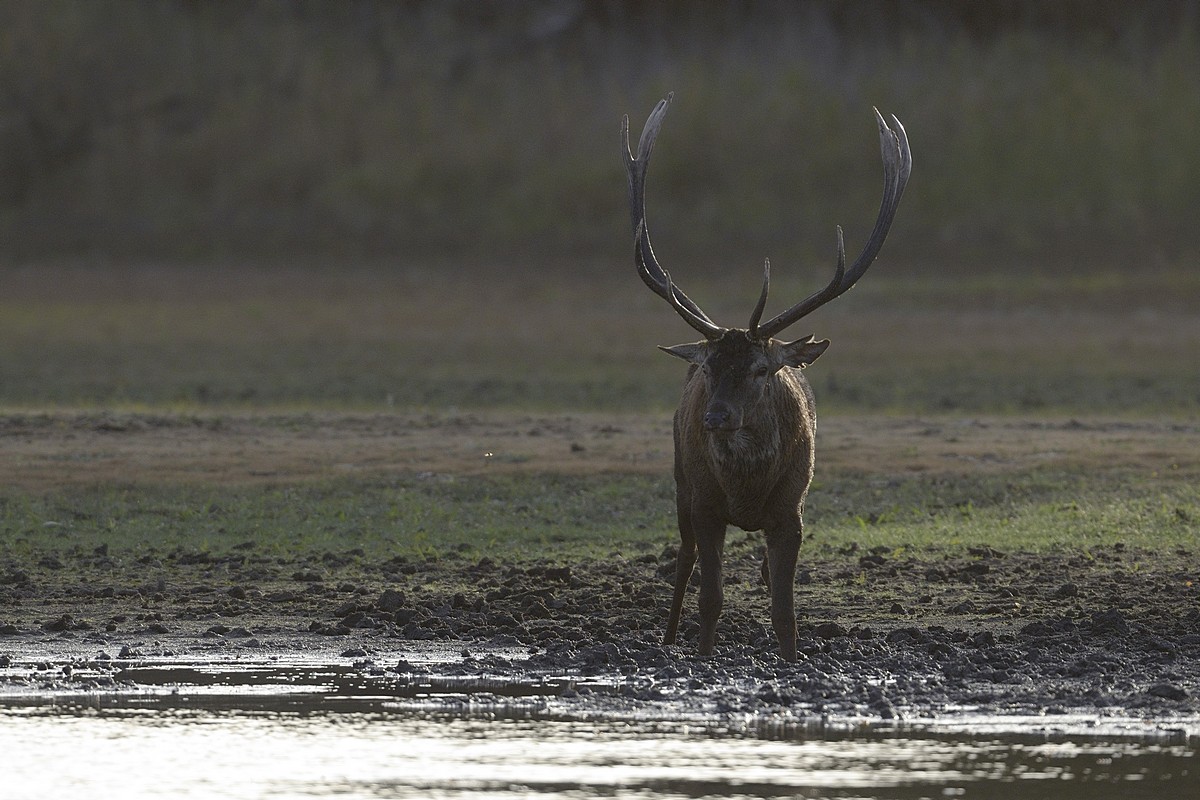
{"x":691,"y":353}
{"x":802,"y":352}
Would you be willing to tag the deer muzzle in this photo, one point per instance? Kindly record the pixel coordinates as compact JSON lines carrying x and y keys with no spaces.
{"x":720,"y":417}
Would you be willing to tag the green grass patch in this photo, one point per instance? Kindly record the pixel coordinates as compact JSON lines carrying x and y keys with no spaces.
{"x":1040,"y":510}
{"x":516,"y":518}
{"x":522,"y":518}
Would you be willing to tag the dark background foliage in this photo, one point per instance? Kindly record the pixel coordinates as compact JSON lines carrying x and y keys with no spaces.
{"x":377,"y":131}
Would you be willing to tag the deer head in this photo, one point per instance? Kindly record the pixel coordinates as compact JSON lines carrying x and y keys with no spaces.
{"x":738,"y":363}
{"x":738,"y":368}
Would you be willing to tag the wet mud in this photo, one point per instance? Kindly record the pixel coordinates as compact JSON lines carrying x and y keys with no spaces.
{"x":884,"y":637}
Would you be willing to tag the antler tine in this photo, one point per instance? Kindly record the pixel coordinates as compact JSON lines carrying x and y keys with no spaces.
{"x":816,"y":299}
{"x":673,"y":295}
{"x":897,"y":166}
{"x":635,"y":165}
{"x":756,"y":315}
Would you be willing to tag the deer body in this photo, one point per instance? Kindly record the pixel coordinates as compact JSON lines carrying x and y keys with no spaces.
{"x":746,"y":474}
{"x":755,"y":478}
{"x":746,"y":424}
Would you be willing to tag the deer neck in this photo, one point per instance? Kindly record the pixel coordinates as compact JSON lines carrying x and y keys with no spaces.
{"x":744,"y":457}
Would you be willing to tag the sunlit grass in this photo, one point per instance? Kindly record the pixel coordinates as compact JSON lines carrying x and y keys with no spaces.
{"x":1041,"y":510}
{"x":521,"y":518}
{"x":535,"y":516}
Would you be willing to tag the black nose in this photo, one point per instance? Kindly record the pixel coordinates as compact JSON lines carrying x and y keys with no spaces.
{"x":716,"y":418}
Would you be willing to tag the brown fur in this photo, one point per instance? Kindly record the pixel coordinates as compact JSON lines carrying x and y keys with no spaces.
{"x":754,"y":476}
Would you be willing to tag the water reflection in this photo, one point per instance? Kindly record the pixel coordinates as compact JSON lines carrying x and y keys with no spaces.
{"x":72,"y":749}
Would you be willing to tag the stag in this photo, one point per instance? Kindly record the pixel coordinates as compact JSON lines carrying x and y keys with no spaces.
{"x":745,"y":427}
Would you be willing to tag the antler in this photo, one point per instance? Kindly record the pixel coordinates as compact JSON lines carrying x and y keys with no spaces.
{"x":897,"y":165}
{"x":674,"y":295}
{"x":757,"y":313}
{"x":653,"y":275}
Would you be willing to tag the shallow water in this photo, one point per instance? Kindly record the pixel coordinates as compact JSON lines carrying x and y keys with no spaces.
{"x":273,"y":730}
{"x":80,"y":751}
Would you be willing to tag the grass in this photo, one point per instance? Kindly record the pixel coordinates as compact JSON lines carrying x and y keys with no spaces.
{"x":523,"y":518}
{"x":1037,"y":511}
{"x":288,"y":341}
{"x":476,"y":337}
{"x":267,"y":209}
{"x":517,"y":518}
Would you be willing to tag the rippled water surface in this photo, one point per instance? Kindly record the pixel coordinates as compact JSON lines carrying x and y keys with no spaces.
{"x":284,"y":729}
{"x":216,"y":750}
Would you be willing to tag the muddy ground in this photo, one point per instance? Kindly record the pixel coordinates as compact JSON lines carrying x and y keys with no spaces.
{"x":884,"y":635}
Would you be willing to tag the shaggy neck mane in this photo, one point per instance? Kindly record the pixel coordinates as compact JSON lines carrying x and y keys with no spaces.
{"x":743,"y":455}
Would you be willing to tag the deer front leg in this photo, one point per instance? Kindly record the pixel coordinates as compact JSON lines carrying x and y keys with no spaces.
{"x":783,"y":548}
{"x":685,"y":562}
{"x":710,"y":542}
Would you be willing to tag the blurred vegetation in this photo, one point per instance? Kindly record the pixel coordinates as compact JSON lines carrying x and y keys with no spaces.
{"x":202,"y":131}
{"x":258,"y":336}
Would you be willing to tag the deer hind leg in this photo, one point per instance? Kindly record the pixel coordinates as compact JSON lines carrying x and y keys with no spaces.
{"x":783,"y":548}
